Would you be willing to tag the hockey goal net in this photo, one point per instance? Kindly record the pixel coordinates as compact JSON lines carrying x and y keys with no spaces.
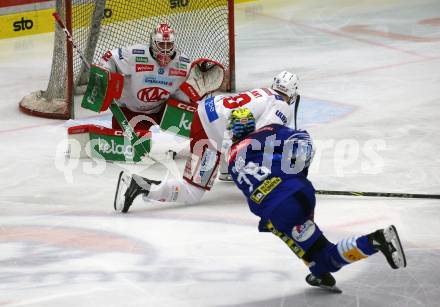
{"x":205,"y":28}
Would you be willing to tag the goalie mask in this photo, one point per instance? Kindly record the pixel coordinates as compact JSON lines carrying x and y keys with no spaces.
{"x":286,"y":83}
{"x":241,"y":123}
{"x":162,"y":44}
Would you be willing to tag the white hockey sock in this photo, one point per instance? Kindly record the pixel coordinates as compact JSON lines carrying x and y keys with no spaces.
{"x":173,"y":190}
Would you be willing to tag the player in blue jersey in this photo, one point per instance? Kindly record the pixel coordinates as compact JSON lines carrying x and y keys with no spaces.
{"x":270,"y":167}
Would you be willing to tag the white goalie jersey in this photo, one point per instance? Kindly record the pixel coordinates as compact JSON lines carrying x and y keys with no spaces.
{"x":147,"y":85}
{"x":266,"y":105}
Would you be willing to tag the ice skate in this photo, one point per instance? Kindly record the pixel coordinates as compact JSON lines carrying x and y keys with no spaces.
{"x":325,"y":281}
{"x":128,"y":188}
{"x":388,"y":242}
{"x":225,"y":177}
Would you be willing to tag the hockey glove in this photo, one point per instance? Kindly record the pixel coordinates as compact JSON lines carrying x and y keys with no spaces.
{"x":205,"y":77}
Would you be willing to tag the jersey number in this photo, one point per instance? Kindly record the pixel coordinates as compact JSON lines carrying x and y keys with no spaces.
{"x":251,"y":169}
{"x":236,"y":101}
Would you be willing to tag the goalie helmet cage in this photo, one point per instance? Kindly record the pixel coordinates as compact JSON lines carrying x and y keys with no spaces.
{"x":205,"y":28}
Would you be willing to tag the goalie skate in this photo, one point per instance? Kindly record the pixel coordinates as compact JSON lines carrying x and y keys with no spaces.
{"x":388,"y":242}
{"x":325,"y":281}
{"x":128,"y":188}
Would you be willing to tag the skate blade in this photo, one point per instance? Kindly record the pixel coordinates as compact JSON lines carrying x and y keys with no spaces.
{"x":333,"y":289}
{"x":123,"y":181}
{"x":392,"y":237}
{"x":225,"y":177}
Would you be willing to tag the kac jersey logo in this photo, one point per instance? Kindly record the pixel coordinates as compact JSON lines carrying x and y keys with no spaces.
{"x":161,"y":71}
{"x":152,"y":94}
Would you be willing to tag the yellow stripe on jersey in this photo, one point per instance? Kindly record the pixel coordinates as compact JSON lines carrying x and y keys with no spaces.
{"x":286,"y":239}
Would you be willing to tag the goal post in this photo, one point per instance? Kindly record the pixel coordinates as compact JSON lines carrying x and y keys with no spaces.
{"x":205,"y":29}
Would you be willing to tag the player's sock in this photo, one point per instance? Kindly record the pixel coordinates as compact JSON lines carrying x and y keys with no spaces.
{"x":331,"y":258}
{"x":388,"y":242}
{"x":128,"y":188}
{"x":175,"y":190}
{"x":353,"y":249}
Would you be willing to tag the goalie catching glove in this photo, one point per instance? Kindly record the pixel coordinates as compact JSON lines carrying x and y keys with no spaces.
{"x":205,"y":76}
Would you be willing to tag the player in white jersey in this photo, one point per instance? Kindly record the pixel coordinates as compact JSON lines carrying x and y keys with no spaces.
{"x":208,"y":131}
{"x":152,"y":74}
{"x":266,"y":104}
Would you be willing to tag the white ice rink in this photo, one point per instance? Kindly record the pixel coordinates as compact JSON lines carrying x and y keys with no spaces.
{"x":370,"y":79}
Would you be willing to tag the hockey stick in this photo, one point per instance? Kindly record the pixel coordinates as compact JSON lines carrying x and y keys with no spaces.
{"x":359,"y":193}
{"x":295,"y":114}
{"x":377,"y":194}
{"x":70,"y":38}
{"x":135,"y":141}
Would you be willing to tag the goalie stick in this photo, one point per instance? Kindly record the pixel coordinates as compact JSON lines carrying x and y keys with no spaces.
{"x":70,"y":38}
{"x":114,"y":108}
{"x":377,"y":194}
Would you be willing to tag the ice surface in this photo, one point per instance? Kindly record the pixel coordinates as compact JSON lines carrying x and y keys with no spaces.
{"x":61,"y":244}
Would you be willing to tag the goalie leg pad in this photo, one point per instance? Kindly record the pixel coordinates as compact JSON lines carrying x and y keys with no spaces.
{"x":177,"y":117}
{"x":104,"y":143}
{"x":202,"y":166}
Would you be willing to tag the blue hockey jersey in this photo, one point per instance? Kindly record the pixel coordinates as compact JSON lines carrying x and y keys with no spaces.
{"x":270,"y":165}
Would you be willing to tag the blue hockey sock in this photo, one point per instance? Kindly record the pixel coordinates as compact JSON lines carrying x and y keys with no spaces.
{"x":333,"y":257}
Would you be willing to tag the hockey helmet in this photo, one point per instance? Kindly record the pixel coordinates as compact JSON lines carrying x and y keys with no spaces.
{"x":241,"y":123}
{"x":286,"y":83}
{"x":162,"y":44}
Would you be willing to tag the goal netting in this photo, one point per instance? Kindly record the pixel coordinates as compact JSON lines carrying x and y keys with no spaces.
{"x":204,"y":29}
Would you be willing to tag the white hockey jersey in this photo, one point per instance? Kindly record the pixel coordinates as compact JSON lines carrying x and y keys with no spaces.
{"x":147,"y":85}
{"x":267,"y":106}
